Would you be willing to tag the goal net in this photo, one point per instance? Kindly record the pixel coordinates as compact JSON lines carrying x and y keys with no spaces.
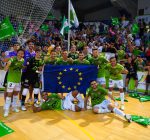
{"x":26,"y":16}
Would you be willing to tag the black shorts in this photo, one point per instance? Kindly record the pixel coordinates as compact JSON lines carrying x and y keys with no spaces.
{"x":148,"y":79}
{"x":5,"y":80}
{"x":134,"y":76}
{"x":28,"y":80}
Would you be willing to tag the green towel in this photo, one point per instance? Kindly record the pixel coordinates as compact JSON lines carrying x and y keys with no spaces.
{"x":4,"y":130}
{"x":141,"y":120}
{"x":118,"y":99}
{"x":144,"y":98}
{"x":134,"y":95}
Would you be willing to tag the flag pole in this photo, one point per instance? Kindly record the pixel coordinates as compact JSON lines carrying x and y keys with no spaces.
{"x":69,"y":25}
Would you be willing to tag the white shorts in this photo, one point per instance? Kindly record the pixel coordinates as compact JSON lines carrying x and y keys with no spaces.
{"x":101,"y":81}
{"x":13,"y":87}
{"x":103,"y":105}
{"x":118,"y":83}
{"x":68,"y":105}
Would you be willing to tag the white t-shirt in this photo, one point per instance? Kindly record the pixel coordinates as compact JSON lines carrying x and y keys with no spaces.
{"x":138,"y":42}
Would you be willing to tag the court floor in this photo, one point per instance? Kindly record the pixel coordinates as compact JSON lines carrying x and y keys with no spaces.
{"x":67,"y":125}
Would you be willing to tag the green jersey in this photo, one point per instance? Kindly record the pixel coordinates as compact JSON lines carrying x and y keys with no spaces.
{"x":115,"y":72}
{"x":121,"y":54}
{"x":50,"y":61}
{"x":53,"y":103}
{"x":97,"y":96}
{"x":33,"y":64}
{"x":73,"y":55}
{"x":137,"y":52}
{"x":140,"y":65}
{"x":60,"y":61}
{"x":101,"y":62}
{"x":88,"y":56}
{"x":78,"y":62}
{"x":14,"y":72}
{"x":44,"y":54}
{"x":81,"y":44}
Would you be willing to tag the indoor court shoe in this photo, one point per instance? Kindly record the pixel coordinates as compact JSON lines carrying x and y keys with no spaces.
{"x":122,"y":107}
{"x":23,"y":108}
{"x":6,"y":112}
{"x":128,"y":118}
{"x":89,"y":107}
{"x":15,"y":110}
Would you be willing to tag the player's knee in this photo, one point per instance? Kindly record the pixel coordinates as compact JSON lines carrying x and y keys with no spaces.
{"x":110,"y":107}
{"x":36,"y":90}
{"x":121,"y":90}
{"x":111,"y":88}
{"x":77,"y":108}
{"x":9,"y":94}
{"x":103,"y":85}
{"x":25,"y":91}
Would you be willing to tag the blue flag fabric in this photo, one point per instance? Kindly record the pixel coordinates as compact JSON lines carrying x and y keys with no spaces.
{"x":65,"y":78}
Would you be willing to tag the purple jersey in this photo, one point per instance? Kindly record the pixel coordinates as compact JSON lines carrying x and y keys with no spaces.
{"x":11,"y":54}
{"x":27,"y":55}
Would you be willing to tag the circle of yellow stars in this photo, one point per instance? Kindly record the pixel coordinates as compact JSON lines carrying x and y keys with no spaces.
{"x":80,"y":78}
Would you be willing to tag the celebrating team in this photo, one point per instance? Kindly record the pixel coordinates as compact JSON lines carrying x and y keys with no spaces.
{"x":24,"y":76}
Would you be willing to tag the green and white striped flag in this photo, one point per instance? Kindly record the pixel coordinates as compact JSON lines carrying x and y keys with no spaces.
{"x":73,"y":16}
{"x":65,"y":26}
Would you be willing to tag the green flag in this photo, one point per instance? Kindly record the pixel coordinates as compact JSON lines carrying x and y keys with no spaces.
{"x":135,"y":28}
{"x":44,"y":27}
{"x":20,"y":28}
{"x":6,"y":29}
{"x":4,"y":130}
{"x":50,"y":16}
{"x":73,"y":16}
{"x":65,"y":26}
{"x":115,"y":21}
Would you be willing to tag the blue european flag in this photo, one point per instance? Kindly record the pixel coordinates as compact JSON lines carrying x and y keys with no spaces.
{"x":65,"y":78}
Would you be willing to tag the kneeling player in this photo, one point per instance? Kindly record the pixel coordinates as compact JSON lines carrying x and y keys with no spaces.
{"x":100,"y":104}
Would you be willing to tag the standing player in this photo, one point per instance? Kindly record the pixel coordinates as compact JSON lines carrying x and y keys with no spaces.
{"x":64,"y":60}
{"x":132,"y":69}
{"x":81,"y":59}
{"x":14,"y":66}
{"x":116,"y":70}
{"x":101,"y":62}
{"x":86,"y":53}
{"x":73,"y":52}
{"x":32,"y":77}
{"x":10,"y":55}
{"x":29,"y":53}
{"x":147,"y":68}
{"x":52,"y":59}
{"x":99,"y":102}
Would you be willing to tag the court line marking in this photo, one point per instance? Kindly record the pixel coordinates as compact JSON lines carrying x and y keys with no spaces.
{"x":76,"y":124}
